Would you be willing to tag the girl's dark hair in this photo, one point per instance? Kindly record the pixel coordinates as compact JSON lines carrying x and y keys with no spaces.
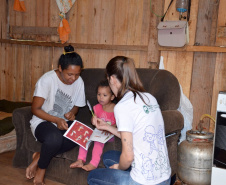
{"x":123,"y":68}
{"x":70,"y":57}
{"x":104,"y":83}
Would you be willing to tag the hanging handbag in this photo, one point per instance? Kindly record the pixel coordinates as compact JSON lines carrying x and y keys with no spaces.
{"x":173,"y":33}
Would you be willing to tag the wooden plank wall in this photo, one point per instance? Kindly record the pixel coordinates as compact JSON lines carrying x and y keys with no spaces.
{"x":180,"y":63}
{"x":204,"y":63}
{"x":110,"y":22}
{"x":201,"y":74}
{"x":116,"y":23}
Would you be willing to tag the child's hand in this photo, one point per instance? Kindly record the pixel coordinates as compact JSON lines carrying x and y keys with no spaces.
{"x":62,"y":124}
{"x":94,"y":120}
{"x":69,"y":116}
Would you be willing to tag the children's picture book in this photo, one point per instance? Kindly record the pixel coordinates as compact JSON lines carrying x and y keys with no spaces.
{"x":84,"y":135}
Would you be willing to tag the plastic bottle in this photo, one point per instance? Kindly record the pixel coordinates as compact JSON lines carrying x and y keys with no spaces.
{"x":182,"y":5}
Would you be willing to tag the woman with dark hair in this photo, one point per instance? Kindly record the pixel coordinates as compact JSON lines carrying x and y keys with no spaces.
{"x":144,"y":156}
{"x":57,"y":97}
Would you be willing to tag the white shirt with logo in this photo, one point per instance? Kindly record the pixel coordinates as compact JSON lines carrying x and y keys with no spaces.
{"x":151,"y":163}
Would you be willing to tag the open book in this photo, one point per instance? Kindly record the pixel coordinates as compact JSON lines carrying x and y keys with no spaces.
{"x":84,"y":135}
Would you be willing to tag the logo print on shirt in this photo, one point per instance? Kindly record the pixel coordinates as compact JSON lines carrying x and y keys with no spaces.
{"x":62,"y":104}
{"x":150,"y":108}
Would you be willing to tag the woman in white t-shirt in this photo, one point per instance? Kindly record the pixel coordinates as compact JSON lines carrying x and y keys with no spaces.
{"x":144,"y":156}
{"x":57,"y":97}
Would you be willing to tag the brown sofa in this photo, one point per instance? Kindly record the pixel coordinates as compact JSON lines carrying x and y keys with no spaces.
{"x":160,"y":83}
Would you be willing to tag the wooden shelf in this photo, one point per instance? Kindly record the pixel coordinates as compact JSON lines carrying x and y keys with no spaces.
{"x":77,"y":45}
{"x":213,"y":49}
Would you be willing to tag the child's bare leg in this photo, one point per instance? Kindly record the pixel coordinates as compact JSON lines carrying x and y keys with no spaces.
{"x":39,"y":177}
{"x":77,"y":164}
{"x":31,"y":169}
{"x":89,"y":167}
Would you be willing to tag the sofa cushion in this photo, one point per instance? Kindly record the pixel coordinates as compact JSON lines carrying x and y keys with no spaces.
{"x":6,"y":109}
{"x":6,"y":126}
{"x":9,"y":106}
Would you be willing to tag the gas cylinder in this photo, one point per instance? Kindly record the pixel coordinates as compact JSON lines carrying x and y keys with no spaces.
{"x":194,"y":163}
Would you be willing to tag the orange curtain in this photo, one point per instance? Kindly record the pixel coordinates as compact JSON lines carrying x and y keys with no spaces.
{"x":19,"y":6}
{"x":64,"y":28}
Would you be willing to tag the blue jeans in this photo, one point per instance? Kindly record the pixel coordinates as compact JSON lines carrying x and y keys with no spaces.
{"x":107,"y":176}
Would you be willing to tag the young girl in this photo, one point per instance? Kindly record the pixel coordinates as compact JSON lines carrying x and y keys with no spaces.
{"x":104,"y":111}
{"x":144,"y":156}
{"x":58,"y":95}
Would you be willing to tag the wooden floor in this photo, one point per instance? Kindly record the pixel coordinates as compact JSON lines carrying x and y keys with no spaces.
{"x":11,"y":176}
{"x":15,"y":176}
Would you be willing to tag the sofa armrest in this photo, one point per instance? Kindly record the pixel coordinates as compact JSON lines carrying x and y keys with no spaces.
{"x":173,"y":120}
{"x":163,"y":85}
{"x":21,"y":119}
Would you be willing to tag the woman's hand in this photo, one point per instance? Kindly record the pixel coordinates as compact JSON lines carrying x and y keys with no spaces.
{"x":100,"y":124}
{"x":115,"y":166}
{"x":61,"y":124}
{"x":105,"y":132}
{"x":69,"y":116}
{"x":95,"y":121}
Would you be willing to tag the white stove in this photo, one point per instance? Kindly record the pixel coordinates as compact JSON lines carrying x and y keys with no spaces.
{"x":219,"y":146}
